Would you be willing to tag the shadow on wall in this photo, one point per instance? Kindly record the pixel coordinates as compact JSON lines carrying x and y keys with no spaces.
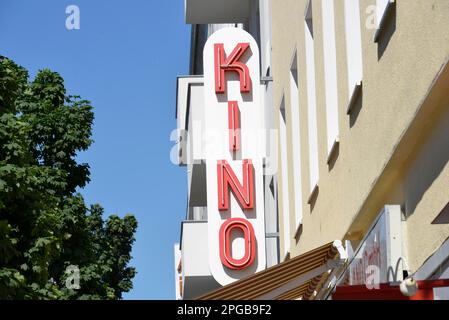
{"x":388,"y":30}
{"x":427,"y":167}
{"x":356,"y":108}
{"x":443,"y":216}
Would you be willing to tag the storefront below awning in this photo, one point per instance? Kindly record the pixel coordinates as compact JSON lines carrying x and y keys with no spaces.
{"x":297,"y":278}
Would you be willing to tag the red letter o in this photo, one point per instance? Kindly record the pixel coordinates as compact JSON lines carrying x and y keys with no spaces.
{"x":225,"y":243}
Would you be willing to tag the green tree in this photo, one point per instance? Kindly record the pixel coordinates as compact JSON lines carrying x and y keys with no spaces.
{"x":45,"y":226}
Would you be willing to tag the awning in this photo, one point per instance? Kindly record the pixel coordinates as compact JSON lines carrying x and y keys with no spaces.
{"x":296,"y":278}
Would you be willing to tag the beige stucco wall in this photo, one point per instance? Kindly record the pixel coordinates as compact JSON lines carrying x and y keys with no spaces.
{"x":281,"y":59}
{"x":389,"y":145}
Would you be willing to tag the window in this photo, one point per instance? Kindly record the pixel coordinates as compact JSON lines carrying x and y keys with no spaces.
{"x":330,"y":74}
{"x":296,"y":139}
{"x":284,"y":175}
{"x":311,"y":97}
{"x":353,"y":49}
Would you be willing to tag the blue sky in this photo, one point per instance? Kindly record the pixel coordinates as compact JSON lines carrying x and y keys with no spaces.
{"x":124,"y":59}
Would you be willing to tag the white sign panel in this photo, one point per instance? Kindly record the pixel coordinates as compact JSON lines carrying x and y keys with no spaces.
{"x":234,"y":117}
{"x":379,"y":257}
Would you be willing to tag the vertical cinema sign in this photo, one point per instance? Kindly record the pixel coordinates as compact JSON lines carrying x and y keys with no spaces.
{"x":234,"y":112}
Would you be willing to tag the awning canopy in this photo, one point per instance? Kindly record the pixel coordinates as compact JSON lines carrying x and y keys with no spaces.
{"x":296,"y":278}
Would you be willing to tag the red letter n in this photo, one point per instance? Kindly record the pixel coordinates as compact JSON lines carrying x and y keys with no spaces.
{"x":231,"y":63}
{"x":227,"y":178}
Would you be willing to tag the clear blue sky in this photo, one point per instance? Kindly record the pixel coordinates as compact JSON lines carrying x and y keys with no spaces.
{"x":125,"y":59}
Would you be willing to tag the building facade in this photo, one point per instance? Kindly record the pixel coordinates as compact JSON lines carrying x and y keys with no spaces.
{"x":359,"y":90}
{"x":193,"y":256}
{"x":356,"y":93}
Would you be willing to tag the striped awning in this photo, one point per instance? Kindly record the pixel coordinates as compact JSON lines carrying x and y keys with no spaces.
{"x":296,"y":278}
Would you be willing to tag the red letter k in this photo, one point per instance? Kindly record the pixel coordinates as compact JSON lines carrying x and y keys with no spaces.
{"x":231,"y":63}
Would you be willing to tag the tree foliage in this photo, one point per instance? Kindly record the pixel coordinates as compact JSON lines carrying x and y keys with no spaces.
{"x":45,"y":226}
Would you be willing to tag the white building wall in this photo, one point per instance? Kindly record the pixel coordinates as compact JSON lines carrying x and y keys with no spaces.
{"x":296,"y":141}
{"x":285,"y":177}
{"x":265,"y":36}
{"x":311,"y":101}
{"x":353,"y":45}
{"x":330,"y":72}
{"x":381,"y":9}
{"x":192,"y":117}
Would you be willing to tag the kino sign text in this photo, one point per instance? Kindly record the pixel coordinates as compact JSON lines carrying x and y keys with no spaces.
{"x":235,"y":200}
